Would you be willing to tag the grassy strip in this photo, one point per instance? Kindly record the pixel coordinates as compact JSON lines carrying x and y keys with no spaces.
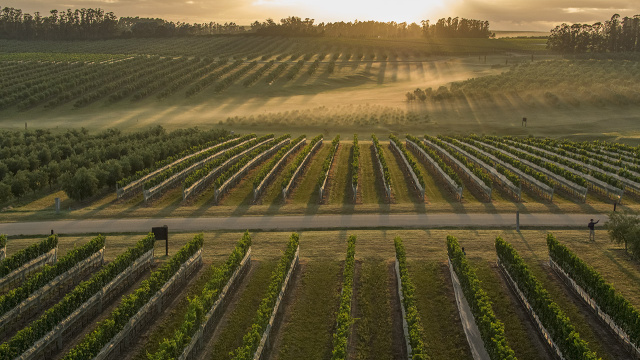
{"x":369,"y":190}
{"x":23,"y":256}
{"x":344,"y":319}
{"x":607,"y":298}
{"x":252,"y":339}
{"x":200,"y":305}
{"x":26,"y":337}
{"x":309,"y":329}
{"x":49,"y":272}
{"x":327,"y":161}
{"x":373,"y":323}
{"x":551,"y":316}
{"x":416,"y":330}
{"x":491,"y":329}
{"x":91,"y":345}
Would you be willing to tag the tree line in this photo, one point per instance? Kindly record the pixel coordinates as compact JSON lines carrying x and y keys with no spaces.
{"x":88,"y":23}
{"x":614,"y":35}
{"x":444,"y":28}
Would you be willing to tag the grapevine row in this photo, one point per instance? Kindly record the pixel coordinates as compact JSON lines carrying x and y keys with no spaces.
{"x":27,"y":254}
{"x":344,"y":319}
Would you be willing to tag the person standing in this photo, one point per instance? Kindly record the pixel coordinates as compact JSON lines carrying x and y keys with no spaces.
{"x":592,"y":229}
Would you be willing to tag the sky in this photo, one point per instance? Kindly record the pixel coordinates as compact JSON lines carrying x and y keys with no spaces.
{"x":540,"y":15}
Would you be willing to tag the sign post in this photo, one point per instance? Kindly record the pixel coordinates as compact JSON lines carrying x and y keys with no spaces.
{"x":162,"y":233}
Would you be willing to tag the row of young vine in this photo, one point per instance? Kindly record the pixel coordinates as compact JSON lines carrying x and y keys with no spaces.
{"x":25,"y":255}
{"x":298,"y":161}
{"x":266,"y":169}
{"x":328,"y":160}
{"x":93,"y":342}
{"x":73,"y":300}
{"x":380,"y":153}
{"x":410,"y":159}
{"x":344,"y":318}
{"x":438,"y":160}
{"x":475,"y":170}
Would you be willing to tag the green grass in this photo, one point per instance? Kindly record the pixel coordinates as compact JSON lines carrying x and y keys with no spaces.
{"x":309,"y":331}
{"x":340,"y":184}
{"x":305,"y":190}
{"x":165,"y":330}
{"x":273,"y":193}
{"x":71,"y":57}
{"x":504,"y":308}
{"x":242,"y":316}
{"x":369,"y":180}
{"x":373,"y":318}
{"x":444,"y":336}
{"x":400,"y":189}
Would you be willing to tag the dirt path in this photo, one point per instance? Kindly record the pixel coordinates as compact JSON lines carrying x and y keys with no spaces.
{"x":71,"y":342}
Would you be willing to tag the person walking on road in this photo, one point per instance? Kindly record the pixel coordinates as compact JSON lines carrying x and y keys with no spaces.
{"x":592,"y":230}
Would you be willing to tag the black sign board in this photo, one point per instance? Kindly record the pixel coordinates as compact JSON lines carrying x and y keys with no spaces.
{"x":162,"y":233}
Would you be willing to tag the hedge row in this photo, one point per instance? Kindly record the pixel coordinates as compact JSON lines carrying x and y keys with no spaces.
{"x":491,"y":329}
{"x":355,"y":162}
{"x":251,"y":340}
{"x":327,"y":160}
{"x":608,"y":299}
{"x":23,"y":256}
{"x":200,"y":305}
{"x":383,"y":162}
{"x":233,"y":169}
{"x":205,"y":170}
{"x":49,"y":272}
{"x":167,"y":173}
{"x":344,"y":319}
{"x":416,"y":331}
{"x":432,"y":154}
{"x":410,"y":159}
{"x":93,"y":342}
{"x":26,"y":337}
{"x":298,"y":160}
{"x":265,"y":170}
{"x":549,"y":313}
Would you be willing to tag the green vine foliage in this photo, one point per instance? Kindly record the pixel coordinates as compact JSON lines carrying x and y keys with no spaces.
{"x":298,"y":160}
{"x":327,"y":160}
{"x":91,"y":345}
{"x":265,"y":170}
{"x":468,"y":164}
{"x":557,"y":323}
{"x":26,"y":337}
{"x":23,"y":256}
{"x":205,"y":170}
{"x":344,"y":319}
{"x":251,"y":340}
{"x":199,"y":305}
{"x":446,"y":168}
{"x":608,"y":299}
{"x":3,"y":240}
{"x":383,"y":162}
{"x":355,"y":162}
{"x":49,"y":272}
{"x":410,"y":159}
{"x":416,"y":331}
{"x":491,"y":329}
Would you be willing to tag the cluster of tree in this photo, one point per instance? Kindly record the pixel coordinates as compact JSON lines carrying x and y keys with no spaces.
{"x":447,"y":28}
{"x":81,"y":164}
{"x":624,"y":228}
{"x":98,"y":24}
{"x":615,"y":35}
